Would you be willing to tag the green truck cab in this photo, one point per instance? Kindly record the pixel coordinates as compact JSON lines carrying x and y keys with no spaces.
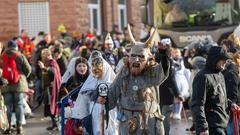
{"x":211,"y":19}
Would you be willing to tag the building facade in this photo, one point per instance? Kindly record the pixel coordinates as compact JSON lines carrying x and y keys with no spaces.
{"x":77,"y":15}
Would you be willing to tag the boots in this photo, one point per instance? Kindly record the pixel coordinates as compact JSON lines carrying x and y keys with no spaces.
{"x":19,"y":130}
{"x":55,"y":124}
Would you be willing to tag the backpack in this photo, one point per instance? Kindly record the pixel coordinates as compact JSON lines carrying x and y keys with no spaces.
{"x":9,"y":71}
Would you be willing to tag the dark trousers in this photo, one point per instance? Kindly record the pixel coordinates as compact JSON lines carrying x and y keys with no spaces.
{"x":217,"y":131}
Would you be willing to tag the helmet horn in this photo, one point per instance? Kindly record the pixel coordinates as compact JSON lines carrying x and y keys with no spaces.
{"x":130,"y":34}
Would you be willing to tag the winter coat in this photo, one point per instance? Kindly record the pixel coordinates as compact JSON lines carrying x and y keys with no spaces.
{"x":232,"y":81}
{"x":168,"y":89}
{"x":137,"y":97}
{"x":209,"y":101}
{"x":24,"y":69}
{"x":62,"y":63}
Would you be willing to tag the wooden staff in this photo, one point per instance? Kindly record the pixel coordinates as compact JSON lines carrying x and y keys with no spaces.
{"x":102,"y":122}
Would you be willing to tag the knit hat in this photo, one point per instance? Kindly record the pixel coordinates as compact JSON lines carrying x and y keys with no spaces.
{"x":12,"y":44}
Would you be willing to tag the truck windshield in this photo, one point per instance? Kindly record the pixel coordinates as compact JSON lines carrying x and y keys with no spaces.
{"x":183,"y":13}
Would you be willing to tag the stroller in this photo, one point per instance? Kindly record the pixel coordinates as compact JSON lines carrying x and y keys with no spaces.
{"x":64,"y":102}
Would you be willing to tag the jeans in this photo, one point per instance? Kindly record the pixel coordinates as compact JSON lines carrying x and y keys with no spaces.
{"x":14,"y":101}
{"x":38,"y":87}
{"x":166,"y":111}
{"x":217,"y":131}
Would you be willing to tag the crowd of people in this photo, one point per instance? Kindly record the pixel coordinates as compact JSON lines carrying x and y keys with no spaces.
{"x":124,"y":86}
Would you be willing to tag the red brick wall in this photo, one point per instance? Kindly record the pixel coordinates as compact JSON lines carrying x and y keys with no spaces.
{"x":107,"y":15}
{"x":134,"y":16}
{"x":115,"y":11}
{"x":110,"y":15}
{"x":72,"y":13}
{"x":8,"y":19}
{"x":81,"y":15}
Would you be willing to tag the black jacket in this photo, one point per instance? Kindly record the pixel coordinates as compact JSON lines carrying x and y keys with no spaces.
{"x":62,"y":63}
{"x":168,"y":89}
{"x":232,"y":81}
{"x":209,"y":100}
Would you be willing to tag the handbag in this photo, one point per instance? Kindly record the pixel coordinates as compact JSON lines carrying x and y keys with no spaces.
{"x":3,"y":114}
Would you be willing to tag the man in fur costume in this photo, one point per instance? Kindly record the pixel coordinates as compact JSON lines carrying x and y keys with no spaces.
{"x":135,"y":92}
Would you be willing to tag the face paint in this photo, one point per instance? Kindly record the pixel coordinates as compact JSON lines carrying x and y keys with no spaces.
{"x":97,"y":67}
{"x":138,"y":59}
{"x":140,"y":53}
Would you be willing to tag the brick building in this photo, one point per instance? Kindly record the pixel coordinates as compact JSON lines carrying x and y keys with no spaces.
{"x":76,"y":15}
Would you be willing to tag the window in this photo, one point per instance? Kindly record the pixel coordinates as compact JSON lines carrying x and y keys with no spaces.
{"x":122,"y":2}
{"x":93,"y":1}
{"x":33,"y":17}
{"x":122,"y":14}
{"x":94,"y":15}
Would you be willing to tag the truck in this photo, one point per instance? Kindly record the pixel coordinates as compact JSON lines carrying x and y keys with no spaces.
{"x":206,"y":19}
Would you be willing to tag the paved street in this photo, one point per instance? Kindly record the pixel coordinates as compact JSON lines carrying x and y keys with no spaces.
{"x":178,"y":127}
{"x":37,"y":126}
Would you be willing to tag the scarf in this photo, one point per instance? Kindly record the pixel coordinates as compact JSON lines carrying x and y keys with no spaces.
{"x":56,"y":85}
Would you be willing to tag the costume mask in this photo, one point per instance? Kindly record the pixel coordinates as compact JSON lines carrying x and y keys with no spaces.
{"x":139,"y":54}
{"x":138,"y":59}
{"x":97,"y":67}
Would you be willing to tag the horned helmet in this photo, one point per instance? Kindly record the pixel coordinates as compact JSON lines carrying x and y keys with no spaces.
{"x":140,"y":54}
